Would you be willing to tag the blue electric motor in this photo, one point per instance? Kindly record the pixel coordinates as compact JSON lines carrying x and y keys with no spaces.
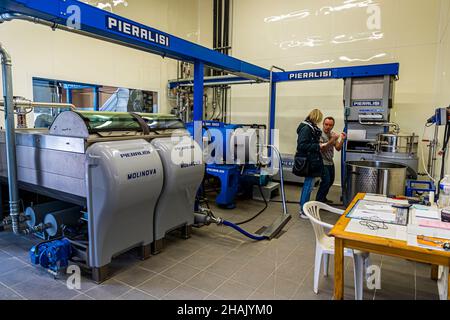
{"x":52,"y":255}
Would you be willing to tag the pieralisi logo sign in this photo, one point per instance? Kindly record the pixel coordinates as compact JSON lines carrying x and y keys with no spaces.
{"x":138,"y":32}
{"x":311,"y":75}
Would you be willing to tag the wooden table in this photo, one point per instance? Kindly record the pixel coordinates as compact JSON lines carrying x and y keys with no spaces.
{"x":378,"y":245}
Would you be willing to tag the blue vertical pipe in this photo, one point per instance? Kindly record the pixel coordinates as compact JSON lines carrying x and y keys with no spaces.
{"x":198,"y":101}
{"x":69,"y":95}
{"x":96,"y":99}
{"x":273,"y":109}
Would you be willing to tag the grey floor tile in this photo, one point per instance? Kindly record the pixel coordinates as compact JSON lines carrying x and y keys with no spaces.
{"x":4,"y":255}
{"x":135,"y":276}
{"x":82,"y":297}
{"x":158,"y":263}
{"x":294,"y":270}
{"x":232,"y":290}
{"x":21,"y":274}
{"x":214,"y":298}
{"x":11,"y":264}
{"x":278,"y":287}
{"x":265,"y":296}
{"x":181,"y":272}
{"x":159,"y":286}
{"x":253,"y":275}
{"x":185,"y":292}
{"x":277,"y":253}
{"x":396,"y":285}
{"x":178,"y":253}
{"x":226,"y":266}
{"x":8,"y":294}
{"x":216,"y":251}
{"x":108,"y":290}
{"x":136,"y":295}
{"x":206,"y":281}
{"x":44,"y":289}
{"x":200,"y":260}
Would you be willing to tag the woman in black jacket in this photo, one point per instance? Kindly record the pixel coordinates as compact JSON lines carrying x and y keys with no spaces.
{"x":308,"y":146}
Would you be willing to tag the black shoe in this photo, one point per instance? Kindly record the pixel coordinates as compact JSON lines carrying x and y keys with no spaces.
{"x":329,"y":201}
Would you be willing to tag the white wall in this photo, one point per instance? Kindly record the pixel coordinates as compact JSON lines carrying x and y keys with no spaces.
{"x":309,"y":34}
{"x":39,"y":52}
{"x":442,"y":98}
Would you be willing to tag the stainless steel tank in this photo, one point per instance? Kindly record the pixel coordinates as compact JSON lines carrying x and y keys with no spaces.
{"x":374,"y":177}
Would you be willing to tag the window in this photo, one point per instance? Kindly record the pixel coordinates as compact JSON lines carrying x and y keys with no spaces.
{"x":89,"y":97}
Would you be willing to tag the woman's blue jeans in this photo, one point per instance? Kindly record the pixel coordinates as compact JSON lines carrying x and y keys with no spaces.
{"x":308,"y":186}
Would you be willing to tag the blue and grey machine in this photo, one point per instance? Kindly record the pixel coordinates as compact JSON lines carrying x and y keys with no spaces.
{"x":182,"y":161}
{"x":233,"y":160}
{"x":107,"y":172}
{"x":103,"y":163}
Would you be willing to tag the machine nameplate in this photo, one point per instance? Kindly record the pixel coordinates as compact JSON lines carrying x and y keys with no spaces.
{"x":135,"y":154}
{"x":371,"y":103}
{"x":141,"y":174}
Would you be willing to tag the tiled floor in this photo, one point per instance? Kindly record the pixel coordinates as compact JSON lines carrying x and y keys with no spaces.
{"x":217,"y":263}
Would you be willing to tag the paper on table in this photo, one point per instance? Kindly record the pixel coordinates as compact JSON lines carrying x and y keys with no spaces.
{"x":374,"y":215}
{"x":394,"y":232}
{"x":428,"y":213}
{"x":373,"y":211}
{"x":382,"y":207}
{"x":433,"y":224}
{"x":397,"y":201}
{"x":429,"y":232}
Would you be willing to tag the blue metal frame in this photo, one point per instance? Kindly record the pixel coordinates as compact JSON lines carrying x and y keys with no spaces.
{"x":326,"y":74}
{"x":339,"y":73}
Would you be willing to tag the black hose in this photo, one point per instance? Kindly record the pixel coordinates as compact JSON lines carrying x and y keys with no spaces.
{"x":259,"y":213}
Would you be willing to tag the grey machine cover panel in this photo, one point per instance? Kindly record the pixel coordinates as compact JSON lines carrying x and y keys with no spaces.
{"x":53,"y":169}
{"x":124,"y":181}
{"x":182,"y":179}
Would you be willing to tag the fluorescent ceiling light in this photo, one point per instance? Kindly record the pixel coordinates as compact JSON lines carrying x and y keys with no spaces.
{"x":347,"y":59}
{"x":314,"y":62}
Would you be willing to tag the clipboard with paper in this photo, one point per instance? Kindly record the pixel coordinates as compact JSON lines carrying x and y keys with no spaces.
{"x":385,"y":212}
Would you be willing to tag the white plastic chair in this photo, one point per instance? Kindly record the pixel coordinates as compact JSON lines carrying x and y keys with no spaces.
{"x":442,"y":282}
{"x":325,"y":247}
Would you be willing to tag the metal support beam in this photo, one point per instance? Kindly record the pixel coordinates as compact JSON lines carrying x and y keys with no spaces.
{"x":272,"y":113}
{"x":199,"y":68}
{"x":391,"y":69}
